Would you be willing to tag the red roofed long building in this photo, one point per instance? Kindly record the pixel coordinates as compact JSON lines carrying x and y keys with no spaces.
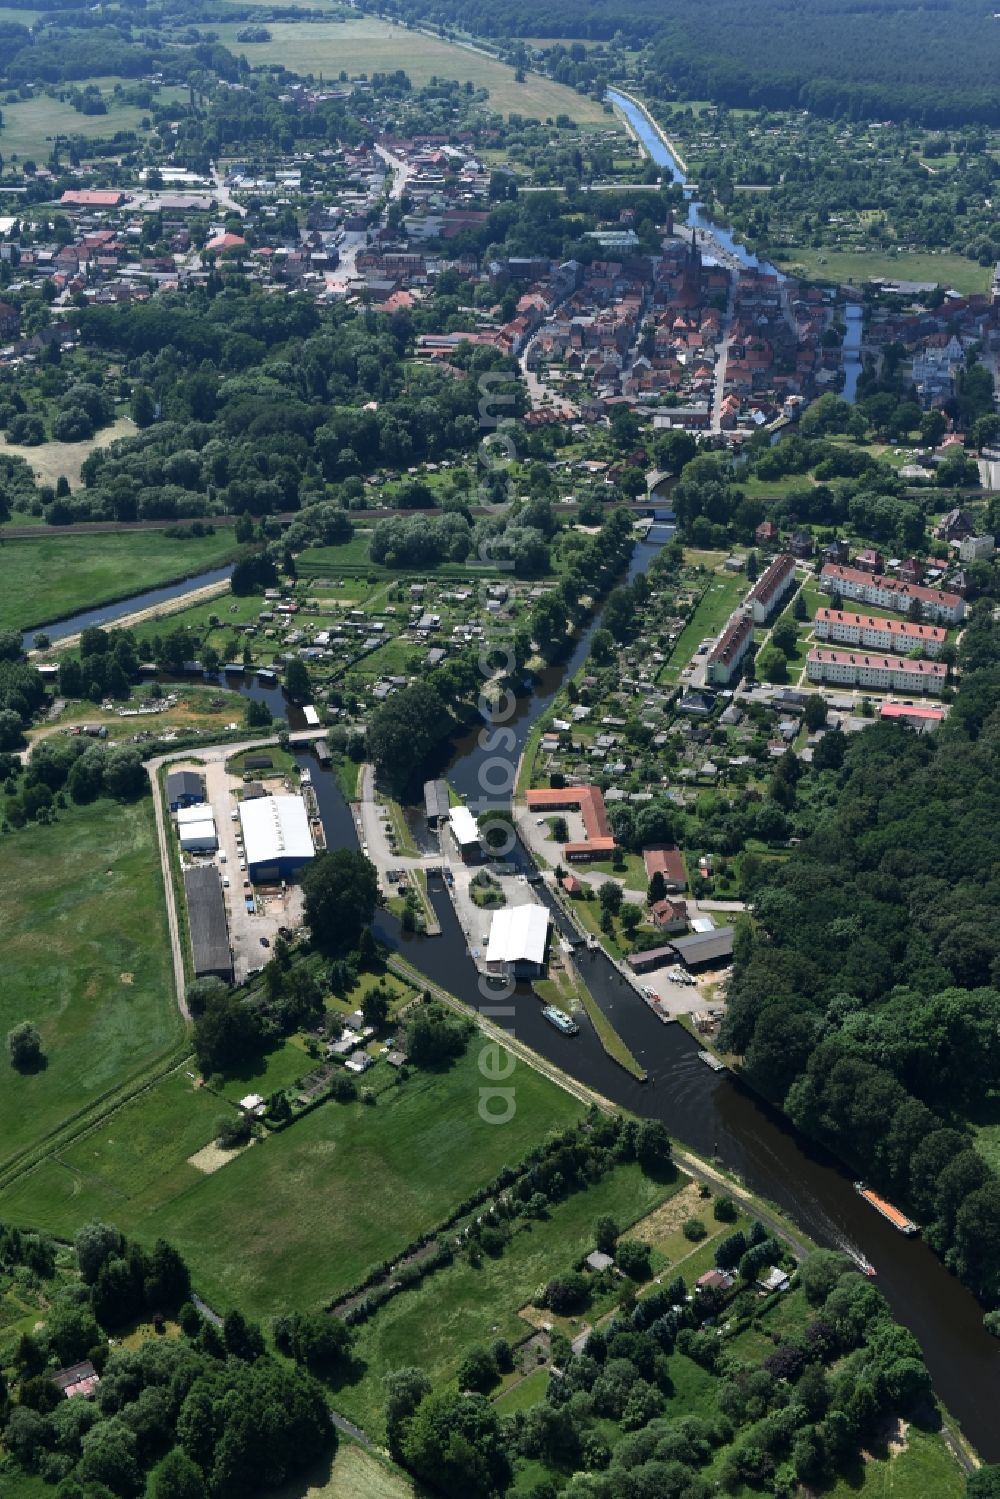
{"x":728,"y":652}
{"x":771,"y":588}
{"x":89,"y":197}
{"x":878,"y":634}
{"x":887,"y":673}
{"x":890,"y":593}
{"x":589,"y":802}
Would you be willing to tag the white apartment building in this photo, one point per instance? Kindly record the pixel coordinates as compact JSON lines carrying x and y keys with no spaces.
{"x":883,"y":673}
{"x":890,"y":593}
{"x":877,"y":634}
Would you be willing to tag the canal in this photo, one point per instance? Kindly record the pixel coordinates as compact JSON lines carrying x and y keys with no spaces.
{"x":713,"y":1114}
{"x":699,"y":219}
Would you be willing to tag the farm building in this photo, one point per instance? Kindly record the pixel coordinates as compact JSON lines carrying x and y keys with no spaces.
{"x":705,"y":949}
{"x":669,"y":861}
{"x":465,"y":831}
{"x":518,"y":936}
{"x":184,"y":788}
{"x":207,"y":923}
{"x":276,"y":837}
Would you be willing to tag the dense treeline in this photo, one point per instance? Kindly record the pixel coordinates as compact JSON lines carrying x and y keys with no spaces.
{"x":933,"y":63}
{"x":210,"y":1414}
{"x":865,"y":995}
{"x":256,"y":403}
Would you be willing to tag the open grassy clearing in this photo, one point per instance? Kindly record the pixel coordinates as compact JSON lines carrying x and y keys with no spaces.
{"x":353,"y":1474}
{"x":303,"y":1215}
{"x":371,"y":46}
{"x":31,"y":124}
{"x":861,"y":265}
{"x":45,"y":579}
{"x":458,"y":1307}
{"x":923,"y":1469}
{"x":86,"y":959}
{"x":52,"y":460}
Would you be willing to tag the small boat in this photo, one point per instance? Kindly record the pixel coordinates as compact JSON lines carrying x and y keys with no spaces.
{"x":305,"y":777}
{"x":560,"y":1020}
{"x":864,"y":1265}
{"x":266,"y":674}
{"x":711,"y":1060}
{"x":889,"y":1213}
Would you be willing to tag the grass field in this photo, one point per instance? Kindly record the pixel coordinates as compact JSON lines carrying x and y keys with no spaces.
{"x":459,"y":1307}
{"x":86,"y":958}
{"x":850,"y":265}
{"x":722,"y":593}
{"x":45,"y":579}
{"x":303,"y":1215}
{"x":353,"y":1474}
{"x":924,"y":1468}
{"x":371,"y":46}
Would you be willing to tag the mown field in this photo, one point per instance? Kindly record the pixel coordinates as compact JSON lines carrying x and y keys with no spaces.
{"x":85,"y":958}
{"x":850,"y":265}
{"x":371,"y":46}
{"x":300,"y":1217}
{"x":49,"y":578}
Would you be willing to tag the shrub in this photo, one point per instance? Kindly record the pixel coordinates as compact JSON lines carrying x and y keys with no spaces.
{"x":694,"y":1229}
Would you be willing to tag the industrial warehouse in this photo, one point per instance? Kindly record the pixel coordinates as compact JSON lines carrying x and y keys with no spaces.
{"x":210,"y":950}
{"x":518,"y":938}
{"x":276,"y":837}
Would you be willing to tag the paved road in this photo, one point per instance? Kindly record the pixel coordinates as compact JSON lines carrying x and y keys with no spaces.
{"x":223,"y":196}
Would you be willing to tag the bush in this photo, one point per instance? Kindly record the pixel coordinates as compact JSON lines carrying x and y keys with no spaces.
{"x":233,"y":1130}
{"x":24,"y":1045}
{"x":694,"y":1229}
{"x":724,"y":1210}
{"x":632,"y":1259}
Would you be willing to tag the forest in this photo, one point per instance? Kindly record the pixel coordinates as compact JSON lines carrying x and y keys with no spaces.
{"x":864,"y":999}
{"x":931,"y":63}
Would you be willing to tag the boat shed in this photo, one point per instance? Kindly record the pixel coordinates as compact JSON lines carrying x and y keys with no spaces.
{"x":705,"y":949}
{"x":437,"y":803}
{"x":198,"y":836}
{"x":276,"y":837}
{"x":207,"y":923}
{"x":518,"y":937}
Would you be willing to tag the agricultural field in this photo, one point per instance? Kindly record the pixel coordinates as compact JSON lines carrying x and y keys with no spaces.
{"x":303,"y":1215}
{"x":371,"y":46}
{"x":86,"y":959}
{"x":43,"y":579}
{"x":30,"y":125}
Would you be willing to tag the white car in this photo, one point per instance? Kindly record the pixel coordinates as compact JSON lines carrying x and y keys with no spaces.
{"x":243,"y":864}
{"x":222,"y":856}
{"x":234,"y":815}
{"x":225,"y":882}
{"x":539,"y":822}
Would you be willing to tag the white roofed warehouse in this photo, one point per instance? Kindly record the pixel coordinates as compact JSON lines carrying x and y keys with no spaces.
{"x":276,"y":837}
{"x":518,"y":938}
